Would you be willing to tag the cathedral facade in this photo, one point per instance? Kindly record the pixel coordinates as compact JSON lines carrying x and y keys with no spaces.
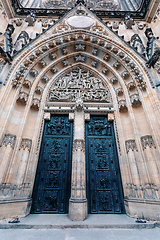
{"x":79,"y":108}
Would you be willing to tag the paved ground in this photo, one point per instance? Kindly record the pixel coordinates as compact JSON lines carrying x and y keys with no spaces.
{"x":96,"y":227}
{"x":80,"y":234}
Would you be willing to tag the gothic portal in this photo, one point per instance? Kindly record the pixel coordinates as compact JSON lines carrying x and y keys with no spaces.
{"x":80,"y":109}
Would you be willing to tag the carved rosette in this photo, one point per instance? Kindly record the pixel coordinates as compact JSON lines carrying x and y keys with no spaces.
{"x":26,"y":144}
{"x":122,"y":106}
{"x":8,"y":139}
{"x":78,"y":144}
{"x":35,"y":104}
{"x":22,"y":98}
{"x":131,"y":145}
{"x":135,"y":101}
{"x":147,"y":141}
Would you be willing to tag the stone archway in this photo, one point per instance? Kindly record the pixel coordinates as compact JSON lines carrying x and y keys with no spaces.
{"x":24,"y":105}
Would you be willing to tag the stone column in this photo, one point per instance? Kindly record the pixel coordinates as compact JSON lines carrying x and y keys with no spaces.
{"x":78,"y":202}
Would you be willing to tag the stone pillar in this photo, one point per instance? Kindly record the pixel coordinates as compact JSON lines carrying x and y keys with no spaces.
{"x":78,"y":202}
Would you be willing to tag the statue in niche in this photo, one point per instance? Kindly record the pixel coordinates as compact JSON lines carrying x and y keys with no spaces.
{"x":79,"y":80}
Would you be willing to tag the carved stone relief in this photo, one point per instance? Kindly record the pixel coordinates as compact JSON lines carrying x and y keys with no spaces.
{"x":27,"y":84}
{"x":79,"y":58}
{"x":35,"y":104}
{"x":113,"y":80}
{"x":79,"y":82}
{"x":78,"y":144}
{"x":147,"y":141}
{"x":79,"y":47}
{"x":39,"y":90}
{"x":33,"y":72}
{"x":44,"y":78}
{"x":131,"y":145}
{"x":23,"y":97}
{"x":42,"y":63}
{"x":119,"y":91}
{"x":122,"y":106}
{"x":8,"y":139}
{"x":26,"y":144}
{"x":135,"y":101}
{"x":52,"y":56}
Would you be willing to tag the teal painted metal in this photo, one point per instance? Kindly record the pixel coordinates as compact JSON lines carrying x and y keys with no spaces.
{"x":53,"y":179}
{"x":104,"y":187}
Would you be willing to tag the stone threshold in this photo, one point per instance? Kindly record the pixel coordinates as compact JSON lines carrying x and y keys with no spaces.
{"x":61,"y":221}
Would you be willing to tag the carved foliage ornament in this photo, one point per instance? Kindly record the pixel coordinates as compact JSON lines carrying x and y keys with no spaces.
{"x":8,"y":139}
{"x":147,"y":141}
{"x":131,"y":145}
{"x":26,"y":144}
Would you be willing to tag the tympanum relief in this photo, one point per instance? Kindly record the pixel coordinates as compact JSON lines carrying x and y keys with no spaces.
{"x":79,"y":81}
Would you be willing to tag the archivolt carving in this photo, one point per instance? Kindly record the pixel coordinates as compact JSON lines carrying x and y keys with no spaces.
{"x":23,"y":97}
{"x":122,"y":106}
{"x":135,"y":101}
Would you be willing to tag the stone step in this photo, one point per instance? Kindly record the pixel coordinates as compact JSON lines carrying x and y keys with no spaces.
{"x":61,"y":221}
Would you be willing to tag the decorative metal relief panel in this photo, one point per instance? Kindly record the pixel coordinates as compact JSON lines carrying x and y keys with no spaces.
{"x":52,"y":185}
{"x":103,"y":174}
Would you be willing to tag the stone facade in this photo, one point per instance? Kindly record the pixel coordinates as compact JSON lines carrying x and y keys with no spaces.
{"x":79,"y":65}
